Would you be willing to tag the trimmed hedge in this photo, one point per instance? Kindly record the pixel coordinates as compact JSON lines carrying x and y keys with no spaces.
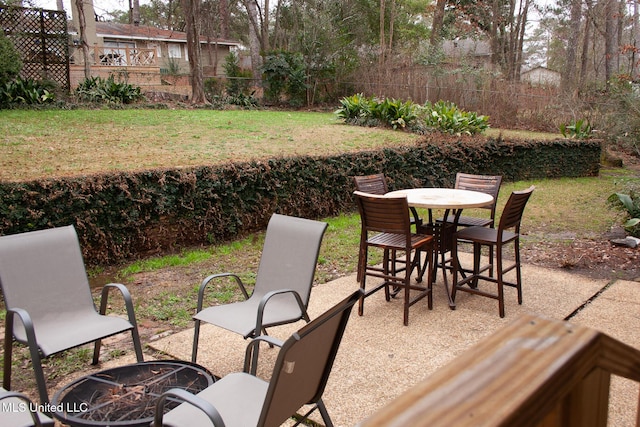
{"x":126,"y":215}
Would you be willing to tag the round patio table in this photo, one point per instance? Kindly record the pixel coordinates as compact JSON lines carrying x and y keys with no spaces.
{"x":126,"y":395}
{"x":453,"y":201}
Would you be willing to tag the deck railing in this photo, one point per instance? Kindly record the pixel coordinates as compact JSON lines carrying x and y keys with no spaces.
{"x":535,"y":372}
{"x":119,"y":56}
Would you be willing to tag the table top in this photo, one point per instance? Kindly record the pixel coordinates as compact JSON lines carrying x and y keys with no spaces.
{"x":444,"y":198}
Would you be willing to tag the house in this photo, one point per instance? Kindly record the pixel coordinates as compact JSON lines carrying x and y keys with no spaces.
{"x":472,"y":51}
{"x":540,"y":76}
{"x":146,"y":56}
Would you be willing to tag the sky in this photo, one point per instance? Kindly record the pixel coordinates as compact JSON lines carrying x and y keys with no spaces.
{"x":100,"y":6}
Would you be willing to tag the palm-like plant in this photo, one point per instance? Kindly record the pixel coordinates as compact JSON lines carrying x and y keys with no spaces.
{"x":631,"y":203}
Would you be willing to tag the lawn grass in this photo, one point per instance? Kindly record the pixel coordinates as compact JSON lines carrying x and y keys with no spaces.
{"x":40,"y":144}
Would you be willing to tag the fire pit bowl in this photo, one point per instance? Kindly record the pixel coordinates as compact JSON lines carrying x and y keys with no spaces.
{"x":126,"y":395}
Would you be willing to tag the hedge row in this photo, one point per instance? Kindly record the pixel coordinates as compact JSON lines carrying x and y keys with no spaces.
{"x":121,"y":216}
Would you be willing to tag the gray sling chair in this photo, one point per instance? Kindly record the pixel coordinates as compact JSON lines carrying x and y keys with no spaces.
{"x":283,"y":282}
{"x":17,"y":410}
{"x":48,"y":300}
{"x":299,"y":377}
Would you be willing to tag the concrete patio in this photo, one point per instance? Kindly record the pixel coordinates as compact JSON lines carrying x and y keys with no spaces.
{"x":380,"y":358}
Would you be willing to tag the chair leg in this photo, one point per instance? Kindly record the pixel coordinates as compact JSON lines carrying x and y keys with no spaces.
{"x":96,"y":351}
{"x":429,"y":260}
{"x":362,"y":268}
{"x":39,"y":373}
{"x":407,"y":290}
{"x":389,"y":267}
{"x":477,"y":253}
{"x":196,"y":337}
{"x":323,"y":412}
{"x":8,"y":350}
{"x":500,"y":274}
{"x":518,"y":272}
{"x":137,"y":346}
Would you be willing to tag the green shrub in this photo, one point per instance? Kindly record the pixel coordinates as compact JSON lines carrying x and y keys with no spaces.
{"x":580,"y":129}
{"x":284,"y":75}
{"x":238,"y":80}
{"x":10,"y":62}
{"x":244,"y":101}
{"x":442,"y":116}
{"x":447,"y":117}
{"x":21,"y":91}
{"x":213,"y":88}
{"x":97,"y":89}
{"x":356,"y":109}
{"x":631,"y":204}
{"x":395,"y":113}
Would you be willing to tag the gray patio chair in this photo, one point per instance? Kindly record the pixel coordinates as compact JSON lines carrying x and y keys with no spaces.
{"x":17,"y":410}
{"x":299,"y":377}
{"x":283,"y":282}
{"x":48,"y":300}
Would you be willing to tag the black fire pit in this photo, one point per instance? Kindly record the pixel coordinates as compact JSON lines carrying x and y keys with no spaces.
{"x":126,"y":396}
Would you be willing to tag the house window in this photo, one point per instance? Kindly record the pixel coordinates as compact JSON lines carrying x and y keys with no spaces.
{"x":174,"y":50}
{"x":156,"y":48}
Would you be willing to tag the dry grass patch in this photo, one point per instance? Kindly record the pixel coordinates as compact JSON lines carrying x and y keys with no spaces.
{"x":40,"y":144}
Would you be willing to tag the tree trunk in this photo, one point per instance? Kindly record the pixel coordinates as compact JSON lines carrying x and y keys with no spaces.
{"x":382,"y":36}
{"x":584,"y":62}
{"x":635,"y":40}
{"x":266,"y":46}
{"x":436,"y":28}
{"x":192,"y":13}
{"x":254,"y":39}
{"x":567,"y":82}
{"x":522,"y":30}
{"x":224,"y":18}
{"x":610,"y":39}
{"x":82,"y":23}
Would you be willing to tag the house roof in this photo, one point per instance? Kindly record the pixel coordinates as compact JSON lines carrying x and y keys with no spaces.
{"x":112,"y":30}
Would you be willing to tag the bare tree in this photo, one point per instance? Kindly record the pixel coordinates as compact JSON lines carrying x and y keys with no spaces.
{"x":610,"y":39}
{"x":383,"y":42}
{"x":586,"y":37}
{"x":224,"y":18}
{"x":82,"y":23}
{"x":192,"y":13}
{"x":567,"y":82}
{"x":254,"y":37}
{"x":438,"y":19}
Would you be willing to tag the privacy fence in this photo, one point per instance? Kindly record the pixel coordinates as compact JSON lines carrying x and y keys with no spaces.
{"x":43,"y":42}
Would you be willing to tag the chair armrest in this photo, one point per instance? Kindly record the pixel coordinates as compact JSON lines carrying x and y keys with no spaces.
{"x":208,"y":279}
{"x":25,"y":317}
{"x":28,"y":405}
{"x":128,"y":303}
{"x":265,"y":299}
{"x":185,"y":396}
{"x":130,"y":314}
{"x":34,"y":349}
{"x":250,"y":356}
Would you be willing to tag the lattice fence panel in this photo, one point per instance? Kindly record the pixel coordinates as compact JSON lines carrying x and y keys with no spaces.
{"x":42,"y":40}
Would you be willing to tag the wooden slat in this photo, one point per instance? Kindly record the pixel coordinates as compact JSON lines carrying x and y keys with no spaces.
{"x":534,"y":372}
